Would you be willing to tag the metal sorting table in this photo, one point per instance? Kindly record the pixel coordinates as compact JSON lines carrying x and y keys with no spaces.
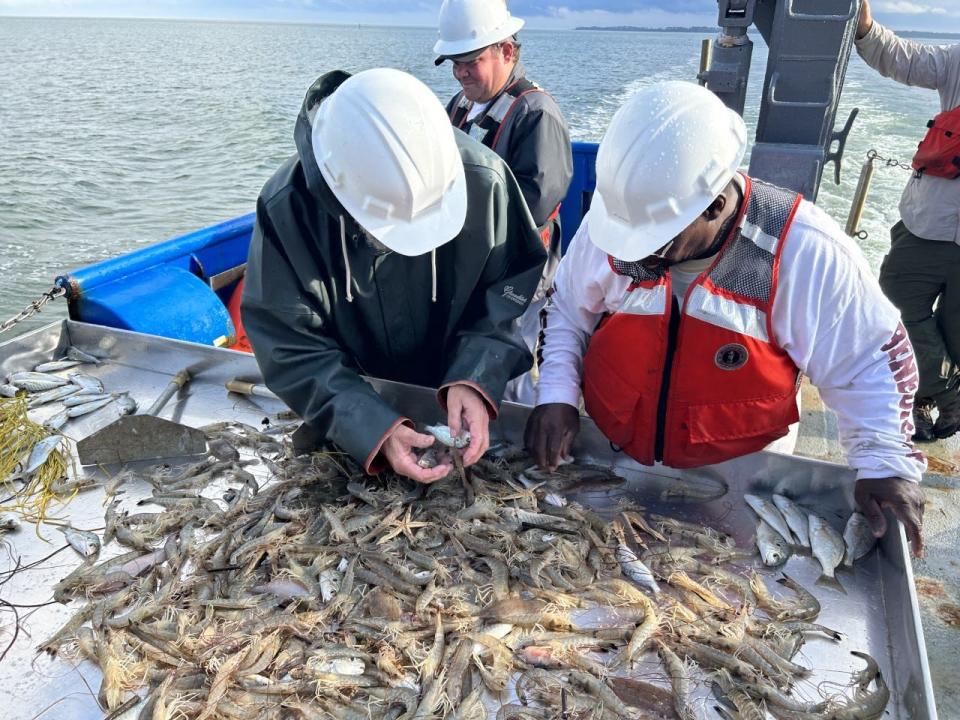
{"x":878,"y":612}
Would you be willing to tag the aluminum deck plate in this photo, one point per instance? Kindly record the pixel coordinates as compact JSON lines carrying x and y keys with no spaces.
{"x":878,"y":612}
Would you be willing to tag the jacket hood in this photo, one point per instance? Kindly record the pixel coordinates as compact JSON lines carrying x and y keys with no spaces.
{"x":322,"y":88}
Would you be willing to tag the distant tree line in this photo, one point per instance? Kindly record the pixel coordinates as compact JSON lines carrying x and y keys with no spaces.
{"x":713,"y":29}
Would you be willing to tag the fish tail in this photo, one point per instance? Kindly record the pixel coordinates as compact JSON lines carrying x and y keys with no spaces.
{"x":830,"y":581}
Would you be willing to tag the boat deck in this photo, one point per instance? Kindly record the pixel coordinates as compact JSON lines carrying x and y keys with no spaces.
{"x":878,"y":612}
{"x":937,"y":574}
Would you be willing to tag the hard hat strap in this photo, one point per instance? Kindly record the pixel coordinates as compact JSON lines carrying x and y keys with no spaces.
{"x":662,"y":252}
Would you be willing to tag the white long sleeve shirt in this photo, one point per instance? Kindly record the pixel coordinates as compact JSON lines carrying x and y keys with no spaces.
{"x":929,"y":206}
{"x":829,"y":315}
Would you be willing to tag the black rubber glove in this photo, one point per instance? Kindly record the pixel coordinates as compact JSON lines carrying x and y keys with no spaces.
{"x":902,"y":497}
{"x":550,"y":431}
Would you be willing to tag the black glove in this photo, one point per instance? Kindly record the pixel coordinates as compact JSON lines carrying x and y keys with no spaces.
{"x":902,"y":497}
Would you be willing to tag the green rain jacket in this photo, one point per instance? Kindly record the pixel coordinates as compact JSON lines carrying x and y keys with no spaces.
{"x":313,"y":344}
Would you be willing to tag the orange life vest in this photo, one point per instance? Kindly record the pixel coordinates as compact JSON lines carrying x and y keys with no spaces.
{"x":938,"y":154}
{"x":702,"y":382}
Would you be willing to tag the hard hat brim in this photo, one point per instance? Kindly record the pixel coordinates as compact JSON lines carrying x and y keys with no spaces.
{"x":428,"y":231}
{"x":451,"y":48}
{"x":462,"y":58}
{"x":633,"y":242}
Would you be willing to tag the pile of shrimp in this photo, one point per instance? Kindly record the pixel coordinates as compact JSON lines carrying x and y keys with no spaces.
{"x":318,"y":593}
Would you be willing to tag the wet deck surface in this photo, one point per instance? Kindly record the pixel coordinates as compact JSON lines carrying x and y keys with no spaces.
{"x":938,"y":572}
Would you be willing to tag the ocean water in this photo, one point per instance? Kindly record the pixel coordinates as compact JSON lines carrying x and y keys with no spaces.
{"x":115,"y":134}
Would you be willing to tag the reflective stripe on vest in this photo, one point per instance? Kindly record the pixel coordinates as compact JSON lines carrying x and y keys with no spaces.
{"x":732,"y":389}
{"x":487,"y":128}
{"x":491,"y":120}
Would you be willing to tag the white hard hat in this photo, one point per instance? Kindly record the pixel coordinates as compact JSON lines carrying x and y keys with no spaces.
{"x":386,"y":148}
{"x":668,"y":153}
{"x":470,"y":25}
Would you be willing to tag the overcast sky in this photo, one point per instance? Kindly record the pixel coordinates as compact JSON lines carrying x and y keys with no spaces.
{"x":941,"y":15}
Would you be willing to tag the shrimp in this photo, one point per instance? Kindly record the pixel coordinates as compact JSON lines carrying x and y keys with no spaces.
{"x":800,"y":626}
{"x":558,"y":657}
{"x":600,"y":692}
{"x":338,"y":533}
{"x":431,"y":697}
{"x":458,"y":669}
{"x":807,"y":606}
{"x":471,"y":708}
{"x":638,"y":640}
{"x":727,"y":691}
{"x":771,"y":656}
{"x":865,"y":705}
{"x":683,"y":581}
{"x":526,"y":613}
{"x":430,"y":665}
{"x":866,"y":676}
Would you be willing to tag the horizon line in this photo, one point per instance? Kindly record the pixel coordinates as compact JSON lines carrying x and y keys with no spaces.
{"x":331,"y":23}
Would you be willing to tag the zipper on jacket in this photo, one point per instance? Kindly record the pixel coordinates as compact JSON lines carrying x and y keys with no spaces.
{"x":672,"y":331}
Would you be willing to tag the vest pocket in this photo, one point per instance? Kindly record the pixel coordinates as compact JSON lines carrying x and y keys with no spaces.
{"x":613,"y":404}
{"x":765,"y":419}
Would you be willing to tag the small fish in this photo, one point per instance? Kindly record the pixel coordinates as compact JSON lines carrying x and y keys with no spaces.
{"x":443,"y":434}
{"x":57,"y":421}
{"x":38,"y":456}
{"x":550,"y":498}
{"x":858,"y":537}
{"x":826,"y":544}
{"x":35,"y":382}
{"x":81,"y":398}
{"x":286,"y":588}
{"x":79,"y":355}
{"x":49,"y":396}
{"x":9,"y":521}
{"x":634,"y":569}
{"x":329,"y":581}
{"x":87,"y":382}
{"x":55,"y":365}
{"x":429,"y":459}
{"x":8,"y":391}
{"x":768,"y":512}
{"x":555,"y":500}
{"x":340,"y":666}
{"x":795,"y":517}
{"x":87,"y":408}
{"x":128,"y":406}
{"x":774,"y":550}
{"x":83,"y":541}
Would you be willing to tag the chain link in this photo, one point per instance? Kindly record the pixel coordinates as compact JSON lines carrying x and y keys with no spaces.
{"x":33,"y":308}
{"x":889,"y":162}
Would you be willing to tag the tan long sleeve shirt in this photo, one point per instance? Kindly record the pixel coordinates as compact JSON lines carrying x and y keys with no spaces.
{"x":929,"y":206}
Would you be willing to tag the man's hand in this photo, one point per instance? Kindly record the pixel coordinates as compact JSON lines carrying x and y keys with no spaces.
{"x":467,"y":410}
{"x":902,"y":497}
{"x":550,"y":432}
{"x":398,"y":450}
{"x":865,"y":21}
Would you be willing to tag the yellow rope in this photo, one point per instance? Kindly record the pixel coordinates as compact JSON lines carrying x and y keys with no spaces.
{"x":18,"y":436}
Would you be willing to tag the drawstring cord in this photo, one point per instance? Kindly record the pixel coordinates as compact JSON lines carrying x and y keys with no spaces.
{"x":346,"y":259}
{"x":349,"y":275}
